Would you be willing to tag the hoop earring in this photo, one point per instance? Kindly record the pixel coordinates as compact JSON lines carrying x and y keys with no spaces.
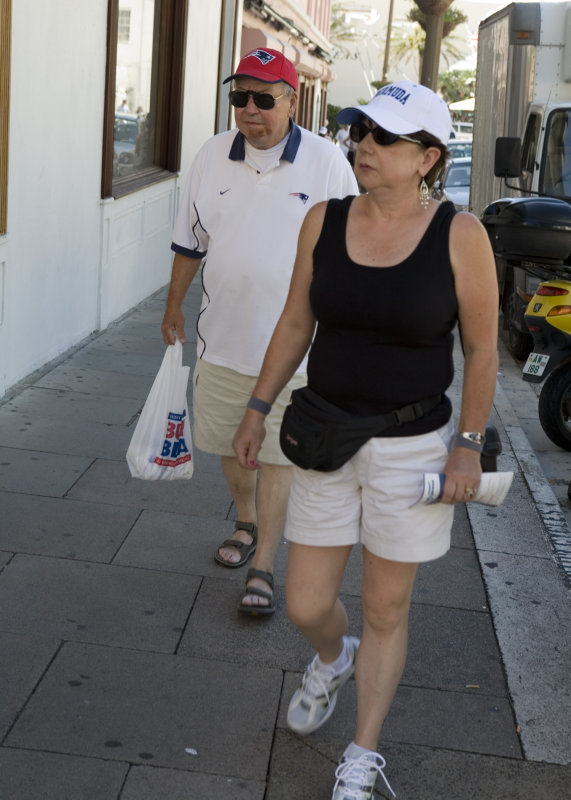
{"x":424,"y":193}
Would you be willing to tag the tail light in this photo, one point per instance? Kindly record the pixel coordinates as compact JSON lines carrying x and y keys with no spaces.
{"x":551,"y":291}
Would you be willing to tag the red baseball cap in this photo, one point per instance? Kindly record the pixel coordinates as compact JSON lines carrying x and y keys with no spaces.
{"x":266,"y":65}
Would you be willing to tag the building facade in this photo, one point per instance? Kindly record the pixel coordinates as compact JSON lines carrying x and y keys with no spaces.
{"x":103,"y":105}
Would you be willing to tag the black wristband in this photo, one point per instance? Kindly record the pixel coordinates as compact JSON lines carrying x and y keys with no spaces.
{"x":461,"y":441}
{"x":259,"y":405}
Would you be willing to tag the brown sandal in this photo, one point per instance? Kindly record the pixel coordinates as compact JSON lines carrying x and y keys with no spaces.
{"x":252,"y":610}
{"x":246,"y":550}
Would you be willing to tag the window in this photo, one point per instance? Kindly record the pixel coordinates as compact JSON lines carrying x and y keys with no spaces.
{"x":124,"y":25}
{"x":143,"y":93}
{"x":555,"y":175}
{"x":529,"y":149}
{"x":5,"y":28}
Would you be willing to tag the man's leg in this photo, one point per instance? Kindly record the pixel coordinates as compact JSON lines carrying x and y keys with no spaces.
{"x":242,"y":485}
{"x":271,"y":504}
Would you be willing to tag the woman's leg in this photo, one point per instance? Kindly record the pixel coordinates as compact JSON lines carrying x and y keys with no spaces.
{"x":386,"y":593}
{"x":314,"y":577}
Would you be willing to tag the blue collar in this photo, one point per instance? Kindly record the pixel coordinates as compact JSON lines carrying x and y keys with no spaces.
{"x":238,"y":149}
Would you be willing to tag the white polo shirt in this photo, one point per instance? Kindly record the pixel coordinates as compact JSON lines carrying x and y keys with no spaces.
{"x":246,"y":223}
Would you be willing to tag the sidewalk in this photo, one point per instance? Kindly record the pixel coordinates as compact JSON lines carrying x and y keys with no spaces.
{"x":126,"y":673}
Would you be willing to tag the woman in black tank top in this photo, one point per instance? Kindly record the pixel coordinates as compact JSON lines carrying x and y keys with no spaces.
{"x":379,"y":283}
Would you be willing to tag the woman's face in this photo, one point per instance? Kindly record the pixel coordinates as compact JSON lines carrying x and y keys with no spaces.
{"x":400,"y":164}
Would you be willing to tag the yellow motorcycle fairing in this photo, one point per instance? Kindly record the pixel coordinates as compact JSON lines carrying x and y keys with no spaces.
{"x":552,"y":302}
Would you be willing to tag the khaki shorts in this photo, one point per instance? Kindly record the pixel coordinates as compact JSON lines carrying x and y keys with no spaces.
{"x":219,"y":401}
{"x":371,"y":499}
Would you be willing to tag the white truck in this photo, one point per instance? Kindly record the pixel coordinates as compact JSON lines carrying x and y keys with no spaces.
{"x":522,"y":149}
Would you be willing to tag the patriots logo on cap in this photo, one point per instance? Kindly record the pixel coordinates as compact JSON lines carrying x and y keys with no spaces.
{"x":262,"y":56}
{"x":303,"y":197}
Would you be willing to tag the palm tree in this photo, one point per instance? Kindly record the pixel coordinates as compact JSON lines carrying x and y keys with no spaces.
{"x":408,"y":43}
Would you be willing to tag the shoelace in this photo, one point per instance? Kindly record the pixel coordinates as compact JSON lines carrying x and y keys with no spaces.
{"x":317,"y":679}
{"x":356,"y":771}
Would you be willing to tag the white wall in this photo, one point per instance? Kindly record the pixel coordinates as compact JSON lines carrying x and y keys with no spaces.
{"x":51,"y":251}
{"x":70,"y":262}
{"x":202,"y":81}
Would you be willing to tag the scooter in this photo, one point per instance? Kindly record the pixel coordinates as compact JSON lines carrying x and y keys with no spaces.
{"x":548,"y":318}
{"x":531,"y":240}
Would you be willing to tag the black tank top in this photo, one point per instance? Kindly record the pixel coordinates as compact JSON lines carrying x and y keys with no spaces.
{"x":384,"y":335}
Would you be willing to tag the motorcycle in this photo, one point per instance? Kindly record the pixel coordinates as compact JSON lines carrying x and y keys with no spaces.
{"x":531,"y":240}
{"x":548,"y":319}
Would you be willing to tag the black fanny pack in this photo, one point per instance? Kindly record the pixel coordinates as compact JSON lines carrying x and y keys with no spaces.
{"x":315,"y":434}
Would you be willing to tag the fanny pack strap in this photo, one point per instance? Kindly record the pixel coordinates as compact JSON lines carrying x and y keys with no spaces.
{"x":379,"y":422}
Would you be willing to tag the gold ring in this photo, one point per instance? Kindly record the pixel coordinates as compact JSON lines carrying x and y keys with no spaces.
{"x":469,"y":492}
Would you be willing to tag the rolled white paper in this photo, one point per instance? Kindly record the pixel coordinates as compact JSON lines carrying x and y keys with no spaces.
{"x":492,"y":490}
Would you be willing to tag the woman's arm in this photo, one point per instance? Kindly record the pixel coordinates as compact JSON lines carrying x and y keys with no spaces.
{"x":289,"y":343}
{"x":477,"y":293}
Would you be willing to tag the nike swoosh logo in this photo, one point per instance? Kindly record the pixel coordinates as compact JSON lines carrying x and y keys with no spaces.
{"x":225,"y":190}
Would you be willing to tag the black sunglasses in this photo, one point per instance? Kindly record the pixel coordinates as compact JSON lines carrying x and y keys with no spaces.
{"x":359,"y":130}
{"x":263,"y":100}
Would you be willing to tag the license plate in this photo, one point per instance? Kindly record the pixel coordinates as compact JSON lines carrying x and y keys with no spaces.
{"x":535,"y":364}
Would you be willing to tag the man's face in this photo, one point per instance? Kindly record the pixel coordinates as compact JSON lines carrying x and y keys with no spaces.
{"x":264,"y":129}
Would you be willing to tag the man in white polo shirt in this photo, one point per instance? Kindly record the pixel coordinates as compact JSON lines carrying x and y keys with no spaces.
{"x":246,"y":196}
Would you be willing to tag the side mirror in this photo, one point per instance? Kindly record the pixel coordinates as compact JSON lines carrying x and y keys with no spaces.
{"x":507,"y":162}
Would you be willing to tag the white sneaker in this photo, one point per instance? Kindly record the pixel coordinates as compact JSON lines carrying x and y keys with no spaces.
{"x":356,"y":777}
{"x":314,"y":702}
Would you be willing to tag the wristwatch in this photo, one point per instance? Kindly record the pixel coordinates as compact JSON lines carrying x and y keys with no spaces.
{"x":472,"y":440}
{"x":473,"y":436}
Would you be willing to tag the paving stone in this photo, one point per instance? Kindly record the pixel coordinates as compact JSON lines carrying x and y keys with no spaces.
{"x":453,"y":720}
{"x":535,"y":608}
{"x":414,"y":772}
{"x":121,"y":705}
{"x":115,"y":341}
{"x":180,"y":543}
{"x":513,"y":527}
{"x":45,"y":404}
{"x":44,"y":474}
{"x":28,"y":775}
{"x":453,"y":649}
{"x":145,"y":783}
{"x":64,"y":435}
{"x":453,"y":580}
{"x":116,"y":361}
{"x":98,"y":382}
{"x":430,"y":717}
{"x":215,"y":630}
{"x":62,"y":527}
{"x":314,"y":773}
{"x":203,"y":495}
{"x":23,"y":660}
{"x":88,"y":602}
{"x":183,"y":543}
{"x":431,"y":774}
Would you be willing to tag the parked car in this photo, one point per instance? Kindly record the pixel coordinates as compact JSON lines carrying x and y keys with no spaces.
{"x":125,"y":134}
{"x":453,"y":183}
{"x":463,"y":130}
{"x":459,"y":148}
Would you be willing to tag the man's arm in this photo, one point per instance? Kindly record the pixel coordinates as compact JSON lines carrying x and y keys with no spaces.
{"x":183,"y":271}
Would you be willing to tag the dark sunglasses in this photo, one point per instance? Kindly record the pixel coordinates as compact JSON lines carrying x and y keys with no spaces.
{"x":359,"y":130}
{"x":263,"y":100}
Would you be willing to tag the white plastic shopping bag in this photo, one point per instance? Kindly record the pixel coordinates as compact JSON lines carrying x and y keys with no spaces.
{"x":161,"y":446}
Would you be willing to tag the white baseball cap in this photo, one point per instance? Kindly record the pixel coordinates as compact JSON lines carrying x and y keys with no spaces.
{"x":404,"y":107}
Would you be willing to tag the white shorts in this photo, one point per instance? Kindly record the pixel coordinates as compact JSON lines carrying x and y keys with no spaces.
{"x":371,"y":500}
{"x":218,"y":403}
